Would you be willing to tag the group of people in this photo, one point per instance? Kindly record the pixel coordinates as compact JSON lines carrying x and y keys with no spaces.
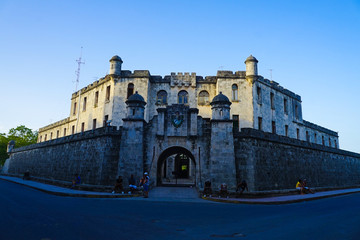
{"x":223,"y":192}
{"x":144,"y":183}
{"x":301,"y":185}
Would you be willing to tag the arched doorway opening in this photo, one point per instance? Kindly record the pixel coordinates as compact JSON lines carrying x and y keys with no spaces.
{"x":176,"y":167}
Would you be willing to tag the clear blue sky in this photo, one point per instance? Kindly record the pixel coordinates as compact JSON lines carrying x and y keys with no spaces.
{"x":313,"y":48}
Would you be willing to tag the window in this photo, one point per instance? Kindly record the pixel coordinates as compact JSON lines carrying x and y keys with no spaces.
{"x":183,"y":97}
{"x":96,"y":101}
{"x":273,"y":125}
{"x":94,"y":123}
{"x":335,"y":144}
{"x":45,"y":137}
{"x":73,"y":129}
{"x":51,"y":136}
{"x":74,"y":109}
{"x":234,"y":92}
{"x":82,"y":127}
{"x":203,"y":98}
{"x":107,"y":97}
{"x":64,"y":132}
{"x":84,"y":103}
{"x":130,"y":90}
{"x":272,"y":103}
{"x":133,"y":111}
{"x":40,"y":138}
{"x":329,"y":142}
{"x":57,"y":133}
{"x":235,"y":123}
{"x":258,"y":91}
{"x":315,"y":136}
{"x":307,"y":136}
{"x":298,"y":133}
{"x":106,"y":118}
{"x":285,"y":106}
{"x":286,"y":130}
{"x":161,"y":97}
{"x":259,"y":123}
{"x":296,"y":112}
{"x":323,"y":140}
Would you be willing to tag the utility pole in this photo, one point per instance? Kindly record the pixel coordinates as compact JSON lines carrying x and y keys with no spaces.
{"x":77,"y":72}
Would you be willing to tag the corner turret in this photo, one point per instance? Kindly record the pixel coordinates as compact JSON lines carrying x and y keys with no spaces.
{"x":220,"y":106}
{"x":135,"y":106}
{"x":115,"y":65}
{"x":251,"y":66}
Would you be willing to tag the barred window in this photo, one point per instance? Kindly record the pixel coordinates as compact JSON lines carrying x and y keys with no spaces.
{"x":234,"y":92}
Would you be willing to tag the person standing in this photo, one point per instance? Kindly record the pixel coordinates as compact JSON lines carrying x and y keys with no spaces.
{"x":145,"y":182}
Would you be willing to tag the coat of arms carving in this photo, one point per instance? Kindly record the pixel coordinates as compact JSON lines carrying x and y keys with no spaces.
{"x":177,"y":119}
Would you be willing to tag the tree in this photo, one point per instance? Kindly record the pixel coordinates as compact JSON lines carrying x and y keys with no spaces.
{"x":22,"y":136}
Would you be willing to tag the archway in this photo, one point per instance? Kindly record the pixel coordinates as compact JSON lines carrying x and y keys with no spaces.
{"x":176,"y":167}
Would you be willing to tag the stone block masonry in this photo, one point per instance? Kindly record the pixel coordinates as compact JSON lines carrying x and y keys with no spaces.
{"x":92,"y":154}
{"x":270,"y":162}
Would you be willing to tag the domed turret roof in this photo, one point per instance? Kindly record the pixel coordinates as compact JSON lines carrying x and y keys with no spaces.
{"x":220,"y":98}
{"x":135,"y":98}
{"x":251,"y":58}
{"x":116,"y":58}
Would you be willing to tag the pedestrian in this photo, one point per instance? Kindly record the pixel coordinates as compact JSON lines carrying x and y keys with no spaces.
{"x":299,"y":186}
{"x":306,"y":189}
{"x":118,"y":185}
{"x":242,"y":186}
{"x":76,"y":180}
{"x":132,"y":184}
{"x":145,"y":182}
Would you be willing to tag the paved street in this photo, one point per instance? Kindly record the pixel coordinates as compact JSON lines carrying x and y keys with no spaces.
{"x":30,"y":214}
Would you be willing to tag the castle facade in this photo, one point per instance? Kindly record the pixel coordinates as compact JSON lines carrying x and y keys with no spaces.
{"x":256,"y":102}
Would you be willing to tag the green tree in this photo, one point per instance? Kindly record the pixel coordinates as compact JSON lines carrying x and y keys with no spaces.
{"x":22,"y":136}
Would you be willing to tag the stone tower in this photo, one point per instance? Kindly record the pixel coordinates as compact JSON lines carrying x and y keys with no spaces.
{"x":115,"y":65}
{"x":131,"y":154}
{"x":222,"y":154}
{"x":251,"y":66}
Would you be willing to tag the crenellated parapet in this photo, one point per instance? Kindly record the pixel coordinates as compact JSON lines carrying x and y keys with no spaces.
{"x":181,"y":79}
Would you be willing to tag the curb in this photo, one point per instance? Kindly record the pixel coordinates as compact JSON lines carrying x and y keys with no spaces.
{"x":276,"y":202}
{"x":84,"y":195}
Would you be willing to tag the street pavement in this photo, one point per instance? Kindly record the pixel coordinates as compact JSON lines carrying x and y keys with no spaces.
{"x":180,"y":194}
{"x":26,"y":213}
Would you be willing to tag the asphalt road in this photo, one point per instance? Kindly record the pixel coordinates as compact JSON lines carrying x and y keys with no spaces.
{"x":30,"y":214}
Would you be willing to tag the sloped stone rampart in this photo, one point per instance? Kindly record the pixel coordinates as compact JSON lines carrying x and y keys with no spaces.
{"x":270,"y":162}
{"x":92,"y":154}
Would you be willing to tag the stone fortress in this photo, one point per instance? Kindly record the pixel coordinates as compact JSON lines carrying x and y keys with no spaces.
{"x":187,"y":129}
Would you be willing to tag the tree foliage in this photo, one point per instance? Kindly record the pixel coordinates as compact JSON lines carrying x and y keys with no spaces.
{"x":22,"y":136}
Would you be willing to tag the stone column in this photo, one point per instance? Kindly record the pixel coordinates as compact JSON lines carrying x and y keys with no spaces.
{"x":161,"y":121}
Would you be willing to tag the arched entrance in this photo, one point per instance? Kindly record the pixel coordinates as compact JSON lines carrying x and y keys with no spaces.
{"x":176,"y":167}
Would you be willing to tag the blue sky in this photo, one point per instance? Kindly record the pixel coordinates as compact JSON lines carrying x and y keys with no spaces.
{"x":312,"y":47}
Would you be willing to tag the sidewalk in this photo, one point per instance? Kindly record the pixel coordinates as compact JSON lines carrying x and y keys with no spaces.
{"x":61,"y":191}
{"x":286,"y":199}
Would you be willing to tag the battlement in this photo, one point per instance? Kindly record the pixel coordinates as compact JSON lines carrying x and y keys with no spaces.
{"x":183,"y":79}
{"x":230,"y":74}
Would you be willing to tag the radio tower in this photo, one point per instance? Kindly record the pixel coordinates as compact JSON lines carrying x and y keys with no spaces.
{"x":77,"y":83}
{"x":77,"y":72}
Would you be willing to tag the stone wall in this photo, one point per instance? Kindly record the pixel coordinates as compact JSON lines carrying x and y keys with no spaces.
{"x":92,"y":154}
{"x":271,"y":162}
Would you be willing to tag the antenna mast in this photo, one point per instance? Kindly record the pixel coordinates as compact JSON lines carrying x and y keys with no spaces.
{"x":270,"y":74}
{"x":77,"y":83}
{"x":77,"y":72}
